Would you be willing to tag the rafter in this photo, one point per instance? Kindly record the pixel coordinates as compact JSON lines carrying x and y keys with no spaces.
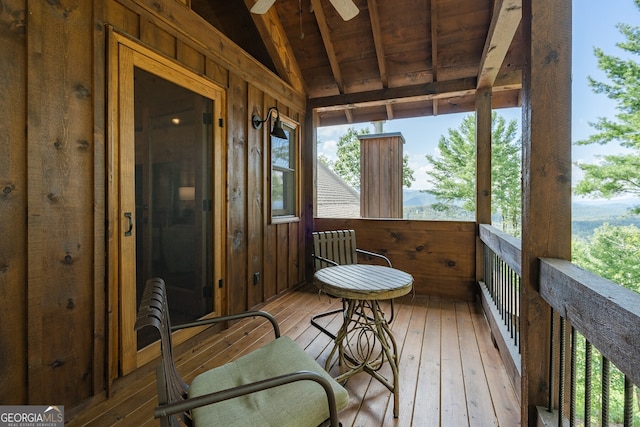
{"x":390,"y":114}
{"x":504,"y":24}
{"x":328,"y":44}
{"x":278,"y":46}
{"x":374,"y":17}
{"x":377,"y":41}
{"x":434,"y":49}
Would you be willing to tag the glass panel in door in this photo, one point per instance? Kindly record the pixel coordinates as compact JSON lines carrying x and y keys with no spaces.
{"x":173,"y":177}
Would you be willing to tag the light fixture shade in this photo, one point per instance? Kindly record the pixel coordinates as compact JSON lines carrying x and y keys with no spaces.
{"x":277,"y":130}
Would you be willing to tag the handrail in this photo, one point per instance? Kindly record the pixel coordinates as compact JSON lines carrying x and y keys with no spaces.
{"x":500,"y":295}
{"x":605,"y":313}
{"x":507,"y":247}
{"x":585,"y":308}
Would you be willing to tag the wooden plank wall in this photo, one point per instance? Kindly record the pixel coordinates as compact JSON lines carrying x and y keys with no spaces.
{"x":13,"y":204}
{"x":61,"y":292}
{"x":439,"y":254}
{"x":253,"y":244}
{"x":53,"y":145}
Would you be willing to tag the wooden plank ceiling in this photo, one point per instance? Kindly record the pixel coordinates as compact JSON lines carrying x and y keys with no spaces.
{"x":395,"y":59}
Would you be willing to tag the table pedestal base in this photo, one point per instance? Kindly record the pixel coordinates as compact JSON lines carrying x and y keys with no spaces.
{"x":365,"y":343}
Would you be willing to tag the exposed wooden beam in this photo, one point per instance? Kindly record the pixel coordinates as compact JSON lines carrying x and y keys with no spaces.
{"x":401,"y":94}
{"x":328,"y":44}
{"x":349,"y":115}
{"x":422,"y":92}
{"x":277,"y":43}
{"x":434,"y":49}
{"x":374,"y":17}
{"x":504,"y":24}
{"x":377,"y":41}
{"x":389,"y":107}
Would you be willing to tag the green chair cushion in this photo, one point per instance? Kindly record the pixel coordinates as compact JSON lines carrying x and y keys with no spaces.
{"x":297,"y":404}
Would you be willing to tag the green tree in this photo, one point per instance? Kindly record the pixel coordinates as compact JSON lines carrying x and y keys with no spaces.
{"x":324,"y":159}
{"x":620,"y":173}
{"x":613,"y":253}
{"x":347,"y":166}
{"x":454,"y":170}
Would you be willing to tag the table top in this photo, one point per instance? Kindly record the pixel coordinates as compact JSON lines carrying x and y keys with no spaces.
{"x":363,"y":281}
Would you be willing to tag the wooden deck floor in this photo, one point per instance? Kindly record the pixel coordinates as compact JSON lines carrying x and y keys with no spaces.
{"x":450,"y":373}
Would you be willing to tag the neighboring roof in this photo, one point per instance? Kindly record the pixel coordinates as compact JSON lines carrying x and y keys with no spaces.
{"x":335,"y":198}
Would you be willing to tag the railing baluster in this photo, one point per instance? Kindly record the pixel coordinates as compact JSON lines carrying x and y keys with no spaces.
{"x":628,"y":402}
{"x":517,"y":285}
{"x":501,"y":298}
{"x":588,"y":356}
{"x":561,"y":370}
{"x":510,"y":326}
{"x":551,"y":362}
{"x":573,"y":392}
{"x":605,"y":392}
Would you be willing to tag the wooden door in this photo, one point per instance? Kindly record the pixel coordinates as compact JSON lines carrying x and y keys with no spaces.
{"x":169,"y":194}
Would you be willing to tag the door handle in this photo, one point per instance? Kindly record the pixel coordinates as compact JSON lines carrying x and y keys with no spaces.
{"x":128,"y":216}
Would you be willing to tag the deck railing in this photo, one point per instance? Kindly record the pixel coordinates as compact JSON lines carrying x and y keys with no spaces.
{"x":595,"y":338}
{"x":500,"y":292}
{"x":595,"y":335}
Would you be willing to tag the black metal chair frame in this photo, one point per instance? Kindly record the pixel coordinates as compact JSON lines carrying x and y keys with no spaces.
{"x":172,"y":390}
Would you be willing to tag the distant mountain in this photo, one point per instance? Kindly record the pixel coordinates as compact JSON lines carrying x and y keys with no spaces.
{"x":417,"y":198}
{"x":587,"y":215}
{"x":602,"y":209}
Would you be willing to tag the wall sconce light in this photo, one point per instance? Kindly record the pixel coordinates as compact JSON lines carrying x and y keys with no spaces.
{"x":277,"y":130}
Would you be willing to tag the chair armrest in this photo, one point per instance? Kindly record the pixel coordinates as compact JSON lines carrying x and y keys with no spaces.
{"x":323,"y":259}
{"x":373,"y":254}
{"x":219,"y":396}
{"x":230,"y":317}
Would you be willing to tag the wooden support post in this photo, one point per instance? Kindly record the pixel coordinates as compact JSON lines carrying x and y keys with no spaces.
{"x":546,"y":203}
{"x":309,"y":180}
{"x":483,"y":169}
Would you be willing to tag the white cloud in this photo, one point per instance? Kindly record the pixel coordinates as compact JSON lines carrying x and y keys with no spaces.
{"x":329,"y":149}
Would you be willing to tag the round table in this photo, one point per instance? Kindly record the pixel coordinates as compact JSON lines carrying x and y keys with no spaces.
{"x":365,"y":342}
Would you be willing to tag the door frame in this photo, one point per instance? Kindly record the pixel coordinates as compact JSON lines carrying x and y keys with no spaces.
{"x":124,"y":54}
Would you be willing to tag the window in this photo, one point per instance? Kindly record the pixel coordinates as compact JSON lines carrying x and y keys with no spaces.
{"x":284,"y":173}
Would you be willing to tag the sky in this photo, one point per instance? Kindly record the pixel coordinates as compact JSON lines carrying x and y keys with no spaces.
{"x":593,"y":26}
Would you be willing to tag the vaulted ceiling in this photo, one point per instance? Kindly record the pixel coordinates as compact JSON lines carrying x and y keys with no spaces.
{"x":394,"y":59}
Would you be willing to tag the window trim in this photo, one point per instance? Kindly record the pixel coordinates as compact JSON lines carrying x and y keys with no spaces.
{"x":294,"y":128}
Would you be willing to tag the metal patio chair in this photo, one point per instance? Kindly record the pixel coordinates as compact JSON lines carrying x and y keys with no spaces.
{"x":338,"y":247}
{"x":276,"y":385}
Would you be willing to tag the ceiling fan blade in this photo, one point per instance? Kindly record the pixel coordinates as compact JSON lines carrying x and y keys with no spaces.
{"x":262,"y":6}
{"x":346,"y":8}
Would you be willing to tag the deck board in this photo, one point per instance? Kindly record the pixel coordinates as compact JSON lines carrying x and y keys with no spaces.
{"x":426,"y":410}
{"x":450,"y":373}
